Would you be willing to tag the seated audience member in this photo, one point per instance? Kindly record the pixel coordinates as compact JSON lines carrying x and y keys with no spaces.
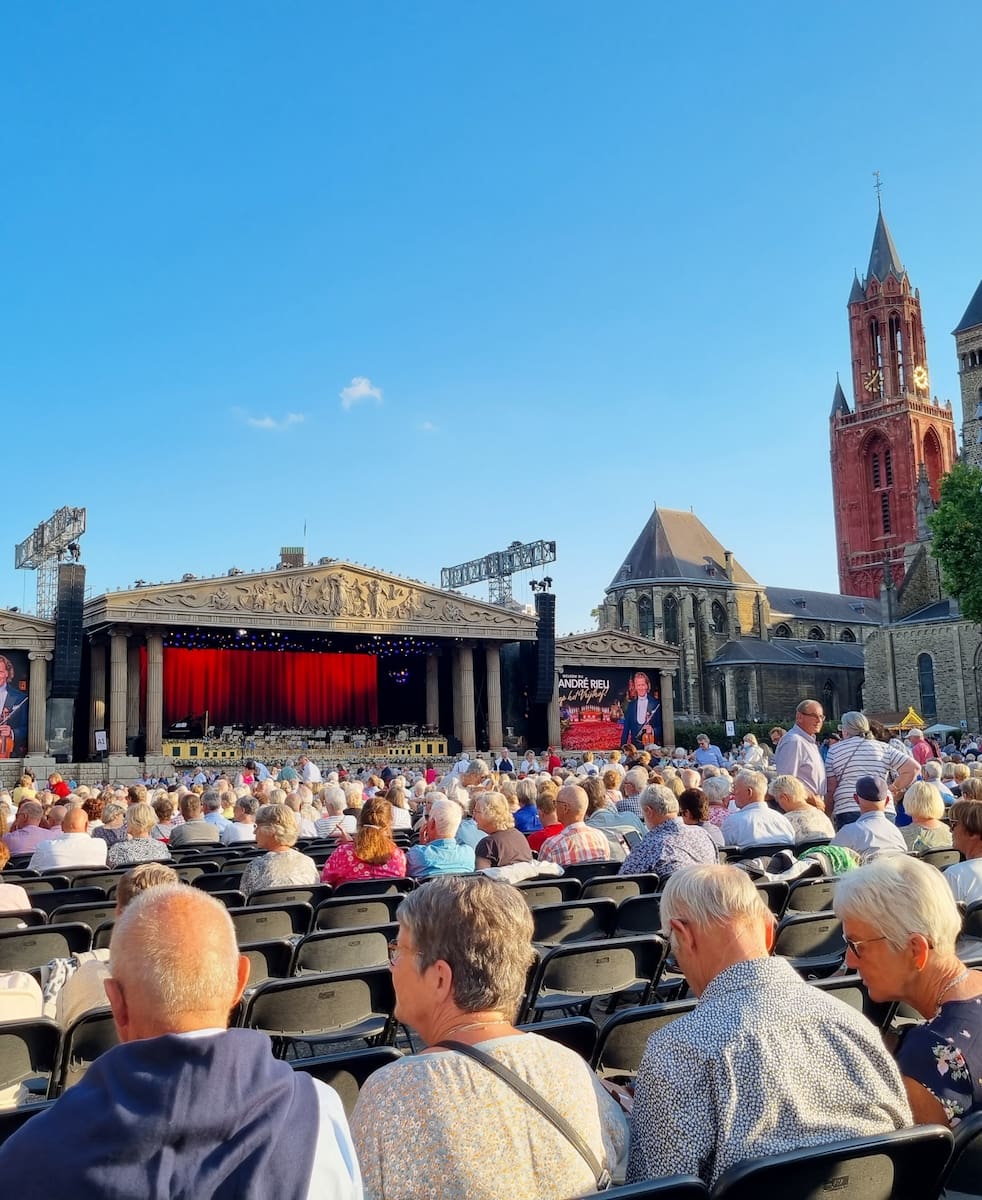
{"x":195,"y":830}
{"x":396,"y":796}
{"x":601,"y":814}
{"x":27,"y":832}
{"x":527,"y":817}
{"x":13,"y":898}
{"x":694,"y":811}
{"x":140,"y":846}
{"x":901,"y":922}
{"x":965,"y":878}
{"x":717,"y":791}
{"x":705,"y":754}
{"x":925,"y":806}
{"x":502,"y":843}
{"x":577,"y":842}
{"x":163,"y":808}
{"x":72,"y":848}
{"x":459,"y":970}
{"x":211,"y":808}
{"x":551,"y":825}
{"x":372,"y":854}
{"x":184,"y":1107}
{"x":112,"y":827}
{"x":281,"y":865}
{"x":669,"y":843}
{"x":754,"y":823}
{"x":931,"y":773}
{"x":25,"y":790}
{"x":242,"y":827}
{"x":439,"y":852}
{"x":700,"y":1105}
{"x":632,"y":785}
{"x":807,"y":821}
{"x":751,"y":753}
{"x":336,"y":822}
{"x":873,"y":833}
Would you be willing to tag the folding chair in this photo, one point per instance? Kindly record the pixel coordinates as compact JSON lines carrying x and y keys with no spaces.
{"x":813,"y":843}
{"x":675,"y":1187}
{"x":101,"y":879}
{"x":591,"y":870}
{"x":103,"y":935}
{"x":344,"y":949}
{"x":941,"y":858}
{"x":11,"y":1119}
{"x":375,"y":887}
{"x":189,"y":872}
{"x":638,"y":914}
{"x":624,"y":1036}
{"x":575,"y":1033}
{"x":570,"y":977}
{"x":315,"y":1009}
{"x":963,"y":1174}
{"x":905,"y":1164}
{"x":28,"y":918}
{"x":851,"y":990}
{"x":810,"y":895}
{"x":50,"y":901}
{"x":346,"y":1073}
{"x":27,"y":949}
{"x":230,"y":899}
{"x":92,"y":915}
{"x":549,"y":891}
{"x":774,"y":893}
{"x":85,"y":1039}
{"x":279,"y":896}
{"x":574,"y":921}
{"x":224,"y":881}
{"x":29,"y":1055}
{"x":260,"y":923}
{"x":813,"y":942}
{"x":620,"y":887}
{"x":271,"y":959}
{"x":46,"y":883}
{"x":972,"y":921}
{"x":350,"y":911}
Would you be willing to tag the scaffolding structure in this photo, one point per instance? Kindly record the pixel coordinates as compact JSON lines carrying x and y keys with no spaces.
{"x":52,"y":542}
{"x":498,"y":567}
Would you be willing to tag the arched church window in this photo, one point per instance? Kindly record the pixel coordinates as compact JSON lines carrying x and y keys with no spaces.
{"x":932,"y":462}
{"x":670,"y":614}
{"x":887,"y":468}
{"x":885,"y":511}
{"x":897,"y":349}
{"x":875,"y":464}
{"x":847,"y":635}
{"x":830,"y":700}
{"x":646,"y":617}
{"x":782,"y":631}
{"x":815,"y":634}
{"x":720,"y":623}
{"x":925,"y":685}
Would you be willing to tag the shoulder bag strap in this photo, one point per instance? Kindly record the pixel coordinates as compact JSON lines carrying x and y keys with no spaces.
{"x":601,"y":1174}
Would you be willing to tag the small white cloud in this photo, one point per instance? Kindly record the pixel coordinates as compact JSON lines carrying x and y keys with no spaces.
{"x":361,"y":388}
{"x":429,"y":427}
{"x":273,"y":423}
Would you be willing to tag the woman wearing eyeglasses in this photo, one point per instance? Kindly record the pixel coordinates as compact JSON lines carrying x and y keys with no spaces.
{"x":900,"y":922}
{"x":440,"y":1123}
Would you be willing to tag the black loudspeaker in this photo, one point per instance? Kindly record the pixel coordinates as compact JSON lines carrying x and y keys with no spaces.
{"x":545,"y":675}
{"x":67,"y":671}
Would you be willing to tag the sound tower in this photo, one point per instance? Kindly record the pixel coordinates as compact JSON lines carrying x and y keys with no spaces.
{"x":67,"y":671}
{"x":545,"y":677}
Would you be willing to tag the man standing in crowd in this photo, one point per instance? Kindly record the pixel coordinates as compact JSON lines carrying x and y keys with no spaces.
{"x":797,"y":752}
{"x":700,"y":1105}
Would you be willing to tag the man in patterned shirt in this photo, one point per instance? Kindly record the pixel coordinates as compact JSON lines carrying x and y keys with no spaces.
{"x":669,"y":843}
{"x":578,"y":842}
{"x":765,"y":1062}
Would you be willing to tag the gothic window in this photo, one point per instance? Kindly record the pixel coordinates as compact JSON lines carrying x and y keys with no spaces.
{"x":646,"y":617}
{"x":719,"y":618}
{"x":932,"y":462}
{"x":925,"y":684}
{"x":875,"y":461}
{"x":782,"y":631}
{"x":885,"y":510}
{"x":876,"y":351}
{"x":887,"y":468}
{"x":830,"y":700}
{"x":815,"y":634}
{"x":847,"y":635}
{"x":620,"y":614}
{"x":670,"y":611}
{"x":897,"y":349}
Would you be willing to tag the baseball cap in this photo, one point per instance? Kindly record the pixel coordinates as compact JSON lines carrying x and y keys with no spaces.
{"x":872,"y":787}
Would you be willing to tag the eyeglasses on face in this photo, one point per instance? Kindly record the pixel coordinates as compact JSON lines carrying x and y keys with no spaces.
{"x":855,"y":945}
{"x":396,"y":952}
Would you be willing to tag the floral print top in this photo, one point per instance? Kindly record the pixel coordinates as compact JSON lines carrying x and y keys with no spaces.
{"x":945,"y":1056}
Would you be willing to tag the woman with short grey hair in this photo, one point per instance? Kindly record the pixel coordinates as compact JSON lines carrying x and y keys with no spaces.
{"x":791,"y":795}
{"x":923,"y":804}
{"x":502,"y":844}
{"x":459,"y":971}
{"x":139,"y":846}
{"x":900,"y":922}
{"x":281,"y":865}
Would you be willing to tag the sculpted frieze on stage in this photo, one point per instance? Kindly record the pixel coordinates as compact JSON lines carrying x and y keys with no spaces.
{"x":23,"y":629}
{"x":607,"y":644}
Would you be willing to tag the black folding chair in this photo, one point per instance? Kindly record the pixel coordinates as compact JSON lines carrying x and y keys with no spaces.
{"x":230,"y":899}
{"x":774,"y":893}
{"x":101,"y":879}
{"x":350,"y":911}
{"x":813,"y":942}
{"x":575,"y":1033}
{"x":905,"y":1164}
{"x":260,"y":923}
{"x":279,"y":896}
{"x":375,"y":887}
{"x":675,"y":1187}
{"x":46,"y":883}
{"x":549,"y":891}
{"x":27,"y":949}
{"x":92,"y":915}
{"x":85,"y":1039}
{"x":28,"y":918}
{"x":624,"y":1036}
{"x":103,"y":935}
{"x":963,"y":1174}
{"x":574,"y":921}
{"x":29,"y":1055}
{"x":591,"y":870}
{"x":942,"y":858}
{"x":638,"y":914}
{"x":570,"y":977}
{"x":620,"y":887}
{"x":851,"y":990}
{"x":972,"y":921}
{"x":271,"y":959}
{"x":11,"y":1119}
{"x":319,"y":1009}
{"x":810,"y":895}
{"x":346,"y":1073}
{"x":224,"y":881}
{"x":49,"y":901}
{"x":344,"y":949}
{"x":813,"y":843}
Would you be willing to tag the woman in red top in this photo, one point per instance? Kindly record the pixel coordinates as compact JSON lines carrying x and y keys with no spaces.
{"x":373,"y":854}
{"x":551,"y":825}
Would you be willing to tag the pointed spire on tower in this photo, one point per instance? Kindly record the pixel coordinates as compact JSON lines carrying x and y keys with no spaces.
{"x":973,"y":314}
{"x":925,"y":503}
{"x":883,"y":258}
{"x":839,"y":402}
{"x":856,"y":295}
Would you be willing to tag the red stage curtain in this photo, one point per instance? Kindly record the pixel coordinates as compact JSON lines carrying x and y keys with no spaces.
{"x":254,"y":687}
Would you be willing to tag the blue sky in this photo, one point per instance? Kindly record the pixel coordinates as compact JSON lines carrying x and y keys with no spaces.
{"x":434,"y":277}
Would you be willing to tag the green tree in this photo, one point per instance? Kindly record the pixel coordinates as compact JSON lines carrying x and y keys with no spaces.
{"x":956,"y":526}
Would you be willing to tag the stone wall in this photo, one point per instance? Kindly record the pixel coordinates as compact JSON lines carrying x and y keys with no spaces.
{"x":891,"y":669}
{"x":970,"y":378}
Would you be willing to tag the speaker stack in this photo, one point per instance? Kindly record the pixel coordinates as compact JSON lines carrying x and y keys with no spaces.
{"x":67,"y":673}
{"x":545,"y":677}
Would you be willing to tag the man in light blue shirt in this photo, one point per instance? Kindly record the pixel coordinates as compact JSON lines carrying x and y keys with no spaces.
{"x":706,"y":755}
{"x":873,"y":834}
{"x":438,"y":852}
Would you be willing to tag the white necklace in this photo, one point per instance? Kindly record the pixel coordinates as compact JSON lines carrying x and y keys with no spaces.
{"x":954,"y":983}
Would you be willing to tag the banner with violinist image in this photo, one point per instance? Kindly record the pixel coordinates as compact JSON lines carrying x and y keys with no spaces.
{"x":608,"y":708}
{"x":14,"y":674}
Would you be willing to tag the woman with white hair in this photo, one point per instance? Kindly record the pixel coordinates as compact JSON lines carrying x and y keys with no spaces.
{"x":900,"y":923}
{"x":792,"y":797}
{"x":751,"y":755}
{"x":281,"y":865}
{"x":502,"y":843}
{"x":858,"y":754}
{"x":140,"y":846}
{"x":923,"y":804}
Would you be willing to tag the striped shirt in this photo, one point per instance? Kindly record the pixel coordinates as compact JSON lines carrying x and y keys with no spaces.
{"x":856,"y":756}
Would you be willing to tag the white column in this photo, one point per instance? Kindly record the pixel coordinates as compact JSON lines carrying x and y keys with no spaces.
{"x":433,"y":691}
{"x":117,"y":693}
{"x":492,"y":657}
{"x":468,"y":732}
{"x":97,"y":691}
{"x":133,"y":688}
{"x":37,"y":704}
{"x":155,"y":693}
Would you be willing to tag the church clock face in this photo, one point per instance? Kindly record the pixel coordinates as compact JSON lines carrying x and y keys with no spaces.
{"x":871,"y":380}
{"x":920,"y":378}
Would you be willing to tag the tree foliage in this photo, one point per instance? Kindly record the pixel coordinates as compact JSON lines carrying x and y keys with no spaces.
{"x":956,"y":526}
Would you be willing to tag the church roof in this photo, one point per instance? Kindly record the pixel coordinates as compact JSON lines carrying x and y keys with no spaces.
{"x":883,"y":257}
{"x":973,"y":314}
{"x":839,"y":402}
{"x":822,"y":606}
{"x":789,"y":652}
{"x":676,"y":545}
{"x":856,"y":293}
{"x":941,"y":610}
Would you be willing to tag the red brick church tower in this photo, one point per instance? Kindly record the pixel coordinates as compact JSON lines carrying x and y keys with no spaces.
{"x":878,"y":448}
